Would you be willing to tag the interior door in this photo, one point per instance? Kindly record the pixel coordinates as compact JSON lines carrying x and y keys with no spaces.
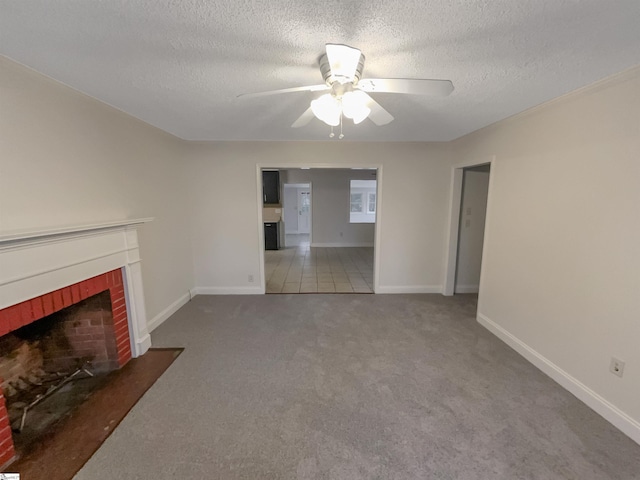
{"x":304,"y":210}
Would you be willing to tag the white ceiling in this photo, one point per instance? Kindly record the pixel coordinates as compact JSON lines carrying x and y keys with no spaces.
{"x":179,"y":65}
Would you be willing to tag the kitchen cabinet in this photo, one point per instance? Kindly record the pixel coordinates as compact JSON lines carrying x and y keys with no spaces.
{"x":271,"y":236}
{"x":271,"y":186}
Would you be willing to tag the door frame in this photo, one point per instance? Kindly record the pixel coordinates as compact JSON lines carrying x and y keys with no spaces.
{"x":329,"y":166}
{"x":453,"y":232}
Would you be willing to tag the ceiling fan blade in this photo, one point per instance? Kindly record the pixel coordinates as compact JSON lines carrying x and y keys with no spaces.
{"x":439,"y":88}
{"x":308,"y":88}
{"x":303,"y":119}
{"x":343,"y":60}
{"x":378,"y":115}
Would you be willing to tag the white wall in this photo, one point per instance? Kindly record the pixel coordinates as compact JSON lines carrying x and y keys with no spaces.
{"x":471,"y":234}
{"x":226,"y":240}
{"x":560,"y":276}
{"x":68,"y":159}
{"x":290,"y":209}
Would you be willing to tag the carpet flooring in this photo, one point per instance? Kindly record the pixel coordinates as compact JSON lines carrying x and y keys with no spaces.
{"x":353,"y":387}
{"x":72,"y":441}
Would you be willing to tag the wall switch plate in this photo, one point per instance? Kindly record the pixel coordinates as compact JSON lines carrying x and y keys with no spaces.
{"x":616,"y":366}
{"x":250,"y":278}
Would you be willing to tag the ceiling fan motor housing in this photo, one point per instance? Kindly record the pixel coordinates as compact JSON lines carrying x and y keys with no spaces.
{"x":330,"y":78}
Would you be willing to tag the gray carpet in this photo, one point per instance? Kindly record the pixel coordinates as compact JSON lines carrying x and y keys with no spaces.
{"x":353,"y":387}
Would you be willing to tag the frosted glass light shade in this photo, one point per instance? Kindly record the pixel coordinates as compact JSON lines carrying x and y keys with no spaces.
{"x":328,"y":109}
{"x":354,"y":106}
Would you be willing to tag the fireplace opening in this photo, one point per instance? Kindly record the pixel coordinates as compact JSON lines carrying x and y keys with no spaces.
{"x":52,"y":365}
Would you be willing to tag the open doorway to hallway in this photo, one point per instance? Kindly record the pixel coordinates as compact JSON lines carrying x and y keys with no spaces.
{"x":473,"y":212}
{"x":468,"y":214}
{"x":327,"y":246}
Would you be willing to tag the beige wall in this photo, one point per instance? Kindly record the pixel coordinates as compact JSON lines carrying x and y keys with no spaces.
{"x":560,"y":273}
{"x":67,"y":159}
{"x":223,"y":184}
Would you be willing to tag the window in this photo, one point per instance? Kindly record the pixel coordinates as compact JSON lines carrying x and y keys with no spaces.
{"x":362,"y":207}
{"x":356,"y":203}
{"x":371,"y":203}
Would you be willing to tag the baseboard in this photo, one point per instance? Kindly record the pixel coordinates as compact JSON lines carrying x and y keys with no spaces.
{"x":342,"y":244}
{"x":409,"y":289}
{"x":600,"y":405}
{"x":467,"y":288}
{"x":227,"y":291}
{"x":156,"y":321}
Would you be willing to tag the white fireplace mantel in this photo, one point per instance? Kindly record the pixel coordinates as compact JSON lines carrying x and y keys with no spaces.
{"x":33,"y":263}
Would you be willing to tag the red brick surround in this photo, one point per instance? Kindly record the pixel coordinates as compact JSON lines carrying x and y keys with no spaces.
{"x":21,"y":314}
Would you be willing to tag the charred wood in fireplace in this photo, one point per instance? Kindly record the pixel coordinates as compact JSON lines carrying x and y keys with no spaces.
{"x":43,"y":390}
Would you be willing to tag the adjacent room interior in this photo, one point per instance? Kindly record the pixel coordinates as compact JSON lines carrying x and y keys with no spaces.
{"x":474,"y":314}
{"x":319,"y":230}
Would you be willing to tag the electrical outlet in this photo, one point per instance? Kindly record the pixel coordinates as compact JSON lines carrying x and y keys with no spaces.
{"x":616,"y":366}
{"x":250,"y":278}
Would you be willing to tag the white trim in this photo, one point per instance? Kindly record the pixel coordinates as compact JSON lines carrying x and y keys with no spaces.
{"x":342,"y":244}
{"x":409,"y":289}
{"x":467,"y":288}
{"x":600,"y":405}
{"x":26,"y":236}
{"x":159,"y":319}
{"x":228,"y":291}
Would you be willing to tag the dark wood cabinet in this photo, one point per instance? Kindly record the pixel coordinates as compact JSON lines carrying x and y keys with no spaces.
{"x":271,"y":187}
{"x":271,"y":241}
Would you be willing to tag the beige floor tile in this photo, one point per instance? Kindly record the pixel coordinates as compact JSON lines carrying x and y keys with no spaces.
{"x":343,"y":287}
{"x":291,"y":287}
{"x":319,"y":269}
{"x":326,"y":287}
{"x":308,"y":287}
{"x":362,"y":290}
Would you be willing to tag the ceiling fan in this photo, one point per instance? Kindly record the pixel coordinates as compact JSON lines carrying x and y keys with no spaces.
{"x":348,"y":93}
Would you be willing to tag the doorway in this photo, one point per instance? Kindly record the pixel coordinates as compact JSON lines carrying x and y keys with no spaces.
{"x":297,"y":214}
{"x":324,"y":249}
{"x":471,"y":223}
{"x":468,"y":213}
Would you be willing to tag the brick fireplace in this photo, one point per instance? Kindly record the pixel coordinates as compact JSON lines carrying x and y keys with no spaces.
{"x":47,"y":275}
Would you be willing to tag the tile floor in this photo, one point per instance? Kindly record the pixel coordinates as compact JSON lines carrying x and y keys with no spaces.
{"x":300,"y":268}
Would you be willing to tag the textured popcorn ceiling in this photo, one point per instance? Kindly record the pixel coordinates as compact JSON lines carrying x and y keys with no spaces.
{"x":179,"y":65}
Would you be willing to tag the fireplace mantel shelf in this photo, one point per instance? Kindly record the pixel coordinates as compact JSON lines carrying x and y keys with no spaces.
{"x":26,"y":235}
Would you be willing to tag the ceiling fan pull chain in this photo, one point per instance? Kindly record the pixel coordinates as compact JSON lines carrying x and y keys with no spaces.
{"x":331,"y":135}
{"x":341,"y":136}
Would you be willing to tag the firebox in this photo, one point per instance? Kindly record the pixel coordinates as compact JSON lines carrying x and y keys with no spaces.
{"x":81,"y":328}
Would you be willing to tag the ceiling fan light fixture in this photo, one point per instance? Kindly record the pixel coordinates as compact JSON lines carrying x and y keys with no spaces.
{"x":343,"y":61}
{"x":328,"y":109}
{"x":354,"y":106}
